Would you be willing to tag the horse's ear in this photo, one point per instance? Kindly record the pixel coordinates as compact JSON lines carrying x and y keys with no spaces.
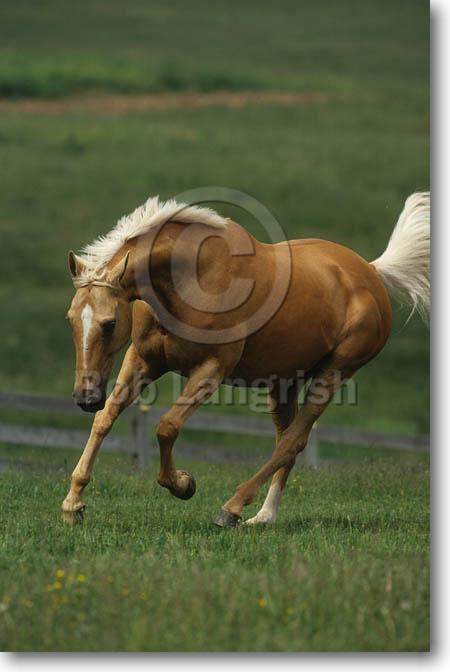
{"x":76,"y":265}
{"x":116,"y":274}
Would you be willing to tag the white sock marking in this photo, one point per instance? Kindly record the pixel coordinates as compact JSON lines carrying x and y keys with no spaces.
{"x":86,"y":320}
{"x":269,"y":510}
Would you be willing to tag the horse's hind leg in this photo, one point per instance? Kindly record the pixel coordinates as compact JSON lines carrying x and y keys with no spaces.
{"x":283,"y":412}
{"x":293,"y":440}
{"x":133,"y":377}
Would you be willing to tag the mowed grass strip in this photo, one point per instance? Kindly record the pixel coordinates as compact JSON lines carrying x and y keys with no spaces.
{"x":123,"y":104}
{"x":344,"y":569}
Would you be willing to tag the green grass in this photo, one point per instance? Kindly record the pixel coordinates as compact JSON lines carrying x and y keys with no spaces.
{"x":345,"y":568}
{"x":55,"y":48}
{"x":339,"y":169}
{"x":336,"y":170}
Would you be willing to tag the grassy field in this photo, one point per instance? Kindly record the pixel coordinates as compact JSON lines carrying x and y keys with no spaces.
{"x":336,"y":170}
{"x":345,"y":568}
{"x":56,"y":48}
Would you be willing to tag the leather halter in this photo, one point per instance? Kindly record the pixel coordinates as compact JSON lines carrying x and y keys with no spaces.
{"x":79,"y":282}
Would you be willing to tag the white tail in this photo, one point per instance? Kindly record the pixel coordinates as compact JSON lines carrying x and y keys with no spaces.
{"x":405,"y":264}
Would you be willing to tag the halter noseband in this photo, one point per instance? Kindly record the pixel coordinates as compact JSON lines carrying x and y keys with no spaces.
{"x":79,"y":282}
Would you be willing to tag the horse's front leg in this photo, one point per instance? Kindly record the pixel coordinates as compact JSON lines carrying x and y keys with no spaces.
{"x":201,"y":384}
{"x":134,"y":375}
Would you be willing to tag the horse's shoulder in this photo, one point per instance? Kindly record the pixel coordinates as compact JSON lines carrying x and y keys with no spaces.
{"x":146,"y":332}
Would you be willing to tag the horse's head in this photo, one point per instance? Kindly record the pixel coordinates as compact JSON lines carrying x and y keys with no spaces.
{"x":100,"y":319}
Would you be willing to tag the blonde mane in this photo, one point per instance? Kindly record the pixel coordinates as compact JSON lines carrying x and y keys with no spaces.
{"x":147,"y":216}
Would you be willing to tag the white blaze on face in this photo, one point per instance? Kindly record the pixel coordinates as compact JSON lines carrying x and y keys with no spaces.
{"x":86,"y":321}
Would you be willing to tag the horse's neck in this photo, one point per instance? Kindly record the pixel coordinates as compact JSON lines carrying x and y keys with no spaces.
{"x":149,"y":269}
{"x":166,"y":262}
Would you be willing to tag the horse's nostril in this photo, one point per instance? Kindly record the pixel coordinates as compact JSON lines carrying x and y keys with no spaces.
{"x":83,"y":398}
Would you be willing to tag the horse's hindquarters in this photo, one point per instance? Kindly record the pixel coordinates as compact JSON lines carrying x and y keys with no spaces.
{"x":332,"y":291}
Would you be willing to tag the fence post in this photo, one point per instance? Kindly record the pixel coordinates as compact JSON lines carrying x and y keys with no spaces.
{"x":312,"y":449}
{"x":140,"y":430}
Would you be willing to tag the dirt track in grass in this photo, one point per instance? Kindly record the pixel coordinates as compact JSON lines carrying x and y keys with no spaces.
{"x":122,"y":104}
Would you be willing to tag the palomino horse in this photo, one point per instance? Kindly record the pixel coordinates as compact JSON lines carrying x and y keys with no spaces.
{"x":199,"y":296}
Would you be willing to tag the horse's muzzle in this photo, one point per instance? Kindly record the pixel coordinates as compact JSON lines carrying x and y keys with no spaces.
{"x":92,"y":408}
{"x":88,"y":402}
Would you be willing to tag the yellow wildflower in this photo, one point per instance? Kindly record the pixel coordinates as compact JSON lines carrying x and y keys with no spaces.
{"x":81,"y":578}
{"x":262,"y":602}
{"x":57,"y":585}
{"x":60,"y":573}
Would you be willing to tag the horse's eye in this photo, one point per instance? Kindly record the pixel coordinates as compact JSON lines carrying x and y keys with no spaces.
{"x":108,"y":327}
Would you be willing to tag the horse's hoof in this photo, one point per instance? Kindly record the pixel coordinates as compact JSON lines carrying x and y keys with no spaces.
{"x":73,"y":517}
{"x":186,"y":485}
{"x":226,"y":519}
